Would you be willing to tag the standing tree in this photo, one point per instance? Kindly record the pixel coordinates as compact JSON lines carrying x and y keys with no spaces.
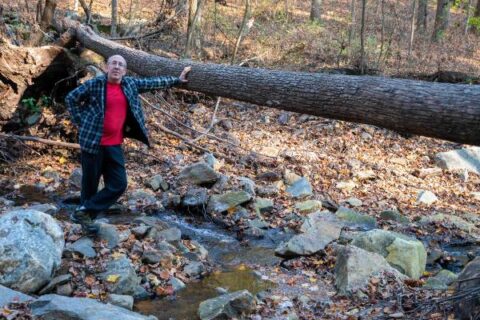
{"x":422,"y":14}
{"x":45,"y":21}
{"x":477,"y":10}
{"x":316,"y":10}
{"x":442,"y":18}
{"x":113,"y":30}
{"x":194,"y":16}
{"x":362,"y":38}
{"x":412,"y":28}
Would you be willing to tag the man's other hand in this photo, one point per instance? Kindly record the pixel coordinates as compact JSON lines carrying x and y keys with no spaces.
{"x":184,"y":74}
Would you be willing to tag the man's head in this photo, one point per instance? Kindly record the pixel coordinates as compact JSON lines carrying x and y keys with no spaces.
{"x":116,"y":68}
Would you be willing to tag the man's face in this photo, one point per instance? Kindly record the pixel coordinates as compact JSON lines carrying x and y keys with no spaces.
{"x":116,"y":68}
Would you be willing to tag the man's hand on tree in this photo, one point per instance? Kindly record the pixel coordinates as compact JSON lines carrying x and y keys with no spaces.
{"x":184,"y":74}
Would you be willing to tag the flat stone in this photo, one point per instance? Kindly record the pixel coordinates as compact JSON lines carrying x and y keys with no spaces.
{"x":308,"y":206}
{"x":120,"y":300}
{"x":140,"y":231}
{"x":109,"y":233}
{"x":354,"y":202}
{"x":227,"y":201}
{"x":263,"y":205}
{"x":170,"y":234}
{"x":356,"y":218}
{"x":426,"y":197}
{"x":199,"y":173}
{"x":57,"y":281}
{"x":300,"y":189}
{"x":8,"y":295}
{"x":461,"y":159}
{"x":121,"y":276}
{"x":441,"y":281}
{"x":236,"y":305}
{"x":450,"y":220}
{"x":83,"y":246}
{"x":393,"y":215}
{"x":176,"y":284}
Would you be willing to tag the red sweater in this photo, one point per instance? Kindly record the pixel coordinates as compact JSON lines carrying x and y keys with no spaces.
{"x":115,"y":115}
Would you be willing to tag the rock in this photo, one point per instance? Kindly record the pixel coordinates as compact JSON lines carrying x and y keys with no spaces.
{"x":354,"y":267}
{"x":109,"y":233}
{"x":300,"y":189}
{"x":195,"y":197}
{"x":176,"y":284}
{"x":320,"y":229}
{"x":48,"y":208}
{"x":255,"y":232}
{"x":247,"y":185}
{"x":32,"y":119}
{"x":236,"y":305}
{"x":171,"y":200}
{"x":194,"y":269}
{"x":119,"y":300}
{"x":226,"y":124}
{"x":31,"y":246}
{"x":466,"y":309}
{"x":283,"y":118}
{"x":140,"y":231}
{"x":461,"y":159}
{"x":269,"y":176}
{"x":354,"y":202}
{"x":392,"y":215}
{"x":403,"y":253}
{"x":65,"y":290}
{"x":221,"y":183}
{"x":212,"y":161}
{"x":157,"y":182}
{"x":262,"y":205}
{"x":308,"y":206}
{"x":290,"y":177}
{"x":450,"y":220}
{"x":153,"y":256}
{"x":76,"y":178}
{"x":441,"y":281}
{"x":152,"y":222}
{"x":170,"y":234}
{"x":146,"y":197}
{"x":426,"y":197}
{"x":227,"y":201}
{"x":198,"y":173}
{"x":366,"y":136}
{"x":425,"y":172}
{"x":57,"y":307}
{"x":239,"y":213}
{"x":268,"y":191}
{"x":346,"y":185}
{"x":8,"y":295}
{"x":356,"y":218}
{"x":121,"y":276}
{"x":57,"y":281}
{"x":258,"y":223}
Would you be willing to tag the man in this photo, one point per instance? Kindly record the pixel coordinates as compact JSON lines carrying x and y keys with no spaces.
{"x":106,"y":109}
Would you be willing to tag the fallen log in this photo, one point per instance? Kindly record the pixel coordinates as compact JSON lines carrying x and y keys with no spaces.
{"x":439,"y":110}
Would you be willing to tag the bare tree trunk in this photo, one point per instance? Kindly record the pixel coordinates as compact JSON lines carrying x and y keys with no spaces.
{"x":194,"y":14}
{"x":382,"y":33}
{"x":468,"y":11}
{"x":351,"y":32}
{"x":39,"y":11}
{"x":422,"y":14}
{"x":444,"y":111}
{"x":75,"y":5}
{"x":86,"y":9}
{"x":442,"y":18}
{"x":316,"y":10}
{"x":113,"y":30}
{"x":362,"y":38}
{"x":412,"y":28}
{"x":477,"y":10}
{"x":47,"y":17}
{"x":242,"y":30}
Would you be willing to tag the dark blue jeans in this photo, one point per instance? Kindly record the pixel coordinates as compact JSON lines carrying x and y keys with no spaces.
{"x":110,"y":163}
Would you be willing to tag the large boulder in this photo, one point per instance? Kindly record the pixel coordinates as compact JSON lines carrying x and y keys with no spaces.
{"x":354,"y":267}
{"x":469,"y":306}
{"x":461,"y":159}
{"x":121,"y":276}
{"x":405,"y":254}
{"x":198,"y":173}
{"x":8,"y":295}
{"x":234,"y":305}
{"x":31,"y":246}
{"x":55,"y":307}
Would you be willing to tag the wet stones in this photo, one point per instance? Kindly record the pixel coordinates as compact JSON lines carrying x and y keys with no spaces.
{"x":233,"y":305}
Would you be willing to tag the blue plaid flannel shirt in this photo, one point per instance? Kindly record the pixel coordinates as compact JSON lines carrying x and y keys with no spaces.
{"x":86,"y":105}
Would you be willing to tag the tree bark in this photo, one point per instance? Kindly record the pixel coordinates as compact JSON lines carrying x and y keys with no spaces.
{"x":194,"y":17}
{"x":439,"y":110}
{"x":422,"y":14}
{"x":442,"y":18}
{"x":316,"y":10}
{"x":46,"y":19}
{"x":113,"y":30}
{"x":18,"y":67}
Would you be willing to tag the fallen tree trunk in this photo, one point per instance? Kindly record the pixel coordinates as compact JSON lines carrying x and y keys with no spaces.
{"x":445,"y":111}
{"x":18,"y":67}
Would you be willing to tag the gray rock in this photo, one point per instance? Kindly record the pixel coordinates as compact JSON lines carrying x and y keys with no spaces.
{"x":57,"y":281}
{"x":227,"y":201}
{"x":155,"y":256}
{"x":308,"y":206}
{"x":198,"y":173}
{"x":120,"y":300}
{"x":393,"y":215}
{"x":240,"y":213}
{"x":76,"y":178}
{"x":212,"y":161}
{"x":354,"y":202}
{"x":255,"y":232}
{"x":466,"y":309}
{"x":405,"y":254}
{"x":31,"y":246}
{"x":221,"y":183}
{"x":441,"y":281}
{"x":83,"y":246}
{"x":236,"y":305}
{"x":171,"y":200}
{"x":354,"y":267}
{"x":268,"y":191}
{"x":194,"y":269}
{"x":195,"y":197}
{"x":55,"y":307}
{"x":152,"y":222}
{"x":356,"y":218}
{"x":283,"y":118}
{"x":262,"y":205}
{"x":170,"y":235}
{"x":320,"y":230}
{"x":146,"y":197}
{"x":8,"y":295}
{"x":426,"y":197}
{"x":452,"y":221}
{"x":290,"y":177}
{"x":108,"y":233}
{"x":123,"y":278}
{"x":65,"y":290}
{"x":176,"y":284}
{"x":300,"y":189}
{"x":45,"y":208}
{"x":247,"y":185}
{"x":32,"y":119}
{"x":461,"y":159}
{"x":140,"y":231}
{"x":258,"y":223}
{"x":157,"y":182}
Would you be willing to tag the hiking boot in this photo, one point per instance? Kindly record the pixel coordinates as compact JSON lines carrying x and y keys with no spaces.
{"x":84,"y":217}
